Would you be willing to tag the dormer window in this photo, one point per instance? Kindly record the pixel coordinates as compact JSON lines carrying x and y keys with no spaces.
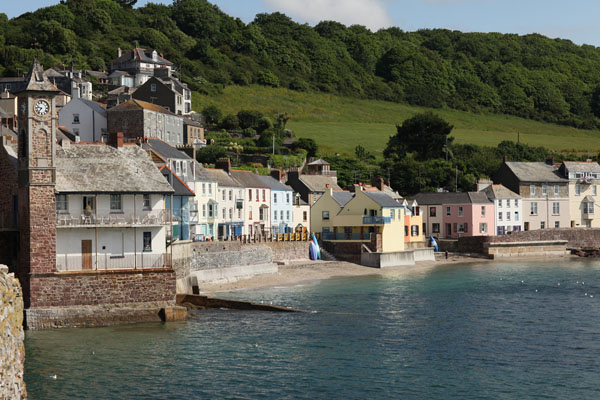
{"x":154,"y":55}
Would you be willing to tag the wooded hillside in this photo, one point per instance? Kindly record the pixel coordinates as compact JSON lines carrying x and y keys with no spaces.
{"x":529,"y":76}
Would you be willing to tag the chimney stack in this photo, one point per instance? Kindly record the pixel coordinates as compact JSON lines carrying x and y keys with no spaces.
{"x":75,"y":94}
{"x":116,"y":139}
{"x":224,"y":164}
{"x":550,"y":160}
{"x":277,"y":174}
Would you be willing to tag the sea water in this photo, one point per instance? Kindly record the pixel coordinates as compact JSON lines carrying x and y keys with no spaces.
{"x":502,"y":330}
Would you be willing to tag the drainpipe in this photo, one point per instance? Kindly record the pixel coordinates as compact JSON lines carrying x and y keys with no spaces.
{"x":134,"y":236}
{"x":96,"y":225}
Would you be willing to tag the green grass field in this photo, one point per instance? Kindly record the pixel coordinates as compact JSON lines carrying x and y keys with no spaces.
{"x":339,"y":124}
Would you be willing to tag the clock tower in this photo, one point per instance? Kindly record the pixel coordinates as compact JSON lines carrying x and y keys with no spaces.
{"x":37,"y":178}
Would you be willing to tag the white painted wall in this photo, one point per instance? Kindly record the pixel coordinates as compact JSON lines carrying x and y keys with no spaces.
{"x":506,"y":214}
{"x":91,"y":124}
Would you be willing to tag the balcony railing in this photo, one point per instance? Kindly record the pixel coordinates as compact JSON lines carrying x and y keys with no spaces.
{"x":366,"y":236}
{"x":376,"y":220}
{"x":141,"y":260}
{"x":66,"y":220}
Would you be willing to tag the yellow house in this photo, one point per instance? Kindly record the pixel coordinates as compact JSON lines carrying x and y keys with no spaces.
{"x":413,"y":225}
{"x":372,"y":217}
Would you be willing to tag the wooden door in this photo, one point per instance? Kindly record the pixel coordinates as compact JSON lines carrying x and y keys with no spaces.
{"x":86,"y":254}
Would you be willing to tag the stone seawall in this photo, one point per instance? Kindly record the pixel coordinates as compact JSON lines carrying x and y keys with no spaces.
{"x":12,"y":349}
{"x":227,"y":261}
{"x":99,"y":298}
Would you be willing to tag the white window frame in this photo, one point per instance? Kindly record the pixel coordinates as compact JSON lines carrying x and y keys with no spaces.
{"x":116,"y":202}
{"x":555,"y":208}
{"x":533,"y":208}
{"x":532,"y":190}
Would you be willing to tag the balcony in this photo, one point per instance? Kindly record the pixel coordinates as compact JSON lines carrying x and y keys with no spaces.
{"x":104,"y":261}
{"x":376,"y":220}
{"x":356,"y":236}
{"x":160,"y":218}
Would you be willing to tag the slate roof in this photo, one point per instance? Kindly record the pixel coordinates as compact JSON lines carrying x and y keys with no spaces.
{"x":202,"y":173}
{"x":342,"y":197}
{"x":99,"y":108}
{"x":97,"y":74}
{"x":117,"y":73}
{"x":63,"y":133}
{"x":248,"y":179}
{"x":222,"y":177}
{"x":180,"y":188}
{"x":164,"y":150}
{"x":134,"y":104}
{"x":382,"y":199}
{"x":141,"y":55}
{"x":574,"y":166}
{"x":433,"y":198}
{"x":99,"y":168}
{"x":534,"y":172}
{"x":274,"y":184}
{"x":189,"y":121}
{"x":500,"y":192}
{"x":318,"y":183}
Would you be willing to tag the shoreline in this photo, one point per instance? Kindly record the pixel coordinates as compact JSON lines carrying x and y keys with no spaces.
{"x":303,"y":272}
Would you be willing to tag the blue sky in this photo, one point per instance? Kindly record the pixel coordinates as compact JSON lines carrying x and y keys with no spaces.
{"x":575,"y":20}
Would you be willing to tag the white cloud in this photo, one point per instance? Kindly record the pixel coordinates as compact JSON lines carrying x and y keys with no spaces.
{"x":371,"y":13}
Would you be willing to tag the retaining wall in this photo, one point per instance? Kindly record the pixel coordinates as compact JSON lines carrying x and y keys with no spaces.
{"x":544,"y":248}
{"x":196,"y":262}
{"x":98,"y":298}
{"x":12,"y":349}
{"x":396,"y":259}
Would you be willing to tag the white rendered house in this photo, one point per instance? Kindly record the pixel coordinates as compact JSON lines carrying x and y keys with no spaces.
{"x":85,"y":119}
{"x":110,"y":210}
{"x":508,"y":207}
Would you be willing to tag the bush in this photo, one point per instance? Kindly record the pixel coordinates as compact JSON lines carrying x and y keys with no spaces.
{"x":267,"y":78}
{"x":230,"y":122}
{"x":210,"y":154}
{"x":263,"y":124}
{"x":212,"y":114}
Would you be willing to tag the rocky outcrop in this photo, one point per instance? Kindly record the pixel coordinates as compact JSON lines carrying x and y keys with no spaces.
{"x":12,"y":348}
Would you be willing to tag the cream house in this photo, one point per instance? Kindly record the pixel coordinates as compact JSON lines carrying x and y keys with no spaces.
{"x":584,"y":178}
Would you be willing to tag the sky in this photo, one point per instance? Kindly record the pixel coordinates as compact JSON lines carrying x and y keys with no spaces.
{"x":575,"y":19}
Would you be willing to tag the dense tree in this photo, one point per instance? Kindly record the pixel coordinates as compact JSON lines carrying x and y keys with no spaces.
{"x":212,"y":114}
{"x":530,"y":76}
{"x":309,"y":145}
{"x":425,"y":135}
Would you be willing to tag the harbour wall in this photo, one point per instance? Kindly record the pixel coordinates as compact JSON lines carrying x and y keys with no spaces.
{"x":12,"y":349}
{"x":98,"y":298}
{"x":397,"y":259}
{"x":197,"y":262}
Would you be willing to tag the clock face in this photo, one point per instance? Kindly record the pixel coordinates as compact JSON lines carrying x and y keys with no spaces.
{"x":41,"y":107}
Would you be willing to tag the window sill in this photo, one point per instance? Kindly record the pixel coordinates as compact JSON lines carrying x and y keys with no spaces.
{"x":116,"y":212}
{"x":113,"y":257}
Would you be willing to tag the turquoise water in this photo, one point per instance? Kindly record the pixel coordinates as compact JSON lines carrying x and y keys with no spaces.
{"x":476,"y":331}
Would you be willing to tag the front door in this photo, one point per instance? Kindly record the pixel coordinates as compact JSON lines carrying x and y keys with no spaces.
{"x":86,"y":254}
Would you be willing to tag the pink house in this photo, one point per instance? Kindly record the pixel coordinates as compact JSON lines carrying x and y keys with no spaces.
{"x":453,"y":215}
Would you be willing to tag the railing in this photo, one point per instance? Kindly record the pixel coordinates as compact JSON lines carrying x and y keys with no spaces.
{"x":142,"y":260}
{"x":376,"y":220}
{"x":282,"y":237}
{"x":162,"y":217}
{"x":366,"y":236}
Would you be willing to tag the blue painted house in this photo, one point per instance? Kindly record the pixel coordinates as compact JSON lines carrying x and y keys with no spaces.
{"x":282,"y":200}
{"x":179,"y":203}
